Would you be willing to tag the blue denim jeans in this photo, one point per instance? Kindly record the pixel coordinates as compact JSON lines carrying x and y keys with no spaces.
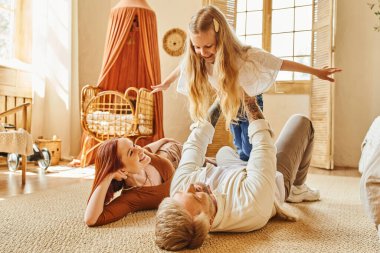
{"x":240,"y":132}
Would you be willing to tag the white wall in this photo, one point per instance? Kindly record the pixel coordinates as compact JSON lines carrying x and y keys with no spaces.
{"x":357,"y":100}
{"x":279,"y":107}
{"x":52,"y":58}
{"x":92,"y":28}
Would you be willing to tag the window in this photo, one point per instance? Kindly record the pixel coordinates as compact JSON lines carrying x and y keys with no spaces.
{"x":282,"y":27}
{"x":7,"y":28}
{"x":249,"y":22}
{"x":227,"y":7}
{"x":15,"y":30}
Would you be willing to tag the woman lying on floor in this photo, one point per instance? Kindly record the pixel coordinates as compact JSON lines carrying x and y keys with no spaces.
{"x":142,"y":174}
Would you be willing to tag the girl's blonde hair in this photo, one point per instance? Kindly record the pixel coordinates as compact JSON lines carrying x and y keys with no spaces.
{"x":228,"y":51}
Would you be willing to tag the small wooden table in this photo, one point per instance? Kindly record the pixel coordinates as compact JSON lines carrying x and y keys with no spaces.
{"x":20,"y":141}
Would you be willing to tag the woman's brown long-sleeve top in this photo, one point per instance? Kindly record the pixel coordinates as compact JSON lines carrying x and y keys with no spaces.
{"x":142,"y":198}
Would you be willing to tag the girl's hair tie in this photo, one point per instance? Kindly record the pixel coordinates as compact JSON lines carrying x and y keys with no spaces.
{"x":216,"y":25}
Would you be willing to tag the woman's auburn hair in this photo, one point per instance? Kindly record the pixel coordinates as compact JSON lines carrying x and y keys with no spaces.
{"x":107,"y":161}
{"x":229,"y":50}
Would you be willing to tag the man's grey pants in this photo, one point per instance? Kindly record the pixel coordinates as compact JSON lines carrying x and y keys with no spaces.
{"x":294,"y":149}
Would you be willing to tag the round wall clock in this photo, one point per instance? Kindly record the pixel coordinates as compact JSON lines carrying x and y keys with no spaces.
{"x":174,"y":42}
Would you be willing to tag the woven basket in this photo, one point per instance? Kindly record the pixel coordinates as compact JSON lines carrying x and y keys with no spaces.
{"x":54,"y":147}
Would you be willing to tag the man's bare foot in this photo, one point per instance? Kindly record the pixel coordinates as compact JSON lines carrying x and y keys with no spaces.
{"x":252,"y":108}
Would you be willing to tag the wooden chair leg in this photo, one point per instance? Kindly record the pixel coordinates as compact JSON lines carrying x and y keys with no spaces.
{"x":86,"y":152}
{"x":23,"y":167}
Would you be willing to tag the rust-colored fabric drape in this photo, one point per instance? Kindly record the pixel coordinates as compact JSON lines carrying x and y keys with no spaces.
{"x":131,"y":59}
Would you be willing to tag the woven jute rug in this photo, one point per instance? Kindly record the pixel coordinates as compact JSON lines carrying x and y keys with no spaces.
{"x":52,"y":221}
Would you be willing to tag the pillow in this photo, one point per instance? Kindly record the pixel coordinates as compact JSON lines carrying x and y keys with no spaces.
{"x":369,"y":166}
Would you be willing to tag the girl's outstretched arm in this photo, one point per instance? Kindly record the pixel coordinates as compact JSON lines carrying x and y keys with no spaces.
{"x":324,"y":73}
{"x":167,"y":82}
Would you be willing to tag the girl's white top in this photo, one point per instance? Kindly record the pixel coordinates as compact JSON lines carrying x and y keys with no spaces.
{"x":256,"y":74}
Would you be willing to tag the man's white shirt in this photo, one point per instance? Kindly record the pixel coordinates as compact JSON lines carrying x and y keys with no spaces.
{"x":245,"y":191}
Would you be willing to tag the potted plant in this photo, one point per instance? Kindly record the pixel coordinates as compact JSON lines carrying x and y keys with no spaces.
{"x":375,"y":7}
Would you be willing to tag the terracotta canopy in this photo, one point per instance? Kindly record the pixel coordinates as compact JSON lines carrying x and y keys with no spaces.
{"x":131,"y":59}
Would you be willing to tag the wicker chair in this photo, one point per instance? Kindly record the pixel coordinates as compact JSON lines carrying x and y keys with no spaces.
{"x":110,"y":114}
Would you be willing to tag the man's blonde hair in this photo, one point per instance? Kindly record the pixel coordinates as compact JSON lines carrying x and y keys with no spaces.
{"x":177,"y":229}
{"x":228,"y":51}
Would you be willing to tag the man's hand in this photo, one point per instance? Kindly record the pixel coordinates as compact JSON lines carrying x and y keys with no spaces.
{"x":252,"y":108}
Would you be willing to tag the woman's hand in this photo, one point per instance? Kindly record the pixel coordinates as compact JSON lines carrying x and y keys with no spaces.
{"x":325,"y":73}
{"x":120,"y":175}
{"x":160,"y":87}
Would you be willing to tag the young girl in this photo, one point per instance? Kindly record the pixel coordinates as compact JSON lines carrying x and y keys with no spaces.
{"x":215,"y":56}
{"x":142,"y":174}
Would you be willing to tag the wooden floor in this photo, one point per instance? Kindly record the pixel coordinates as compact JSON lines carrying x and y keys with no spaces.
{"x":337,"y":171}
{"x":38,"y":180}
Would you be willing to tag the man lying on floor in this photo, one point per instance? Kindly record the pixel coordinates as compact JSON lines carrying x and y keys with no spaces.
{"x":235,"y":196}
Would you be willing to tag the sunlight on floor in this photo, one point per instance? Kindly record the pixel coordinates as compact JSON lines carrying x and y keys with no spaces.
{"x":69,"y":172}
{"x":55,"y":171}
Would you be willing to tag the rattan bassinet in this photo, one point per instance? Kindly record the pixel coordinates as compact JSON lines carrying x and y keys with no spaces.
{"x":110,"y":114}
